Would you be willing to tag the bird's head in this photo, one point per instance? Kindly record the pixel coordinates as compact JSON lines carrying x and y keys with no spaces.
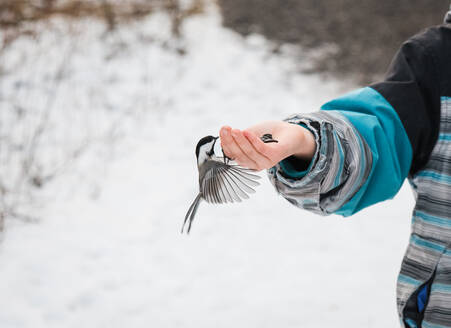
{"x":205,"y":149}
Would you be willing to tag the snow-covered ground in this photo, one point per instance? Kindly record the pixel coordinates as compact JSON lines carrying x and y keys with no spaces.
{"x":107,"y":251}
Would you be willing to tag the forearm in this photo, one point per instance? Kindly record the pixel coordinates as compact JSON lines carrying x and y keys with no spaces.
{"x":304,"y":145}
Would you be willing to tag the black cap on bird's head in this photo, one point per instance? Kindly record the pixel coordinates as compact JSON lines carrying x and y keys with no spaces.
{"x":204,"y":141}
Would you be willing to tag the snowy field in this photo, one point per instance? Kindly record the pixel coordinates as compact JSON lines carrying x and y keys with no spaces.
{"x":107,"y":249}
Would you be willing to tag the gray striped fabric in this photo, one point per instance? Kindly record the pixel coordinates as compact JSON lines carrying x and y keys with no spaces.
{"x":429,"y":250}
{"x":340,"y":161}
{"x":342,"y":165}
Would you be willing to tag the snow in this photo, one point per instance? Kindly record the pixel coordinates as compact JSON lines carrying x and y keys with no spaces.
{"x":107,"y":251}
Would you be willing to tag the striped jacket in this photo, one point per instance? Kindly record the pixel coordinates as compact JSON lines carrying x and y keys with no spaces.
{"x":368,"y":142}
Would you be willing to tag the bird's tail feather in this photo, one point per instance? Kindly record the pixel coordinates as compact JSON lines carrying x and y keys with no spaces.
{"x":192,"y":212}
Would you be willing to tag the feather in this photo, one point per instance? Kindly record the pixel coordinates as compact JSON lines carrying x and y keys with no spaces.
{"x":192,"y":212}
{"x":220,"y":179}
{"x":224,"y":183}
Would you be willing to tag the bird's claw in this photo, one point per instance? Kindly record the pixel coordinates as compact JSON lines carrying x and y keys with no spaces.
{"x":226,"y":158}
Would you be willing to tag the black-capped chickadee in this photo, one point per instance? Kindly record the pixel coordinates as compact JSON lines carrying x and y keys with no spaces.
{"x":220,"y":181}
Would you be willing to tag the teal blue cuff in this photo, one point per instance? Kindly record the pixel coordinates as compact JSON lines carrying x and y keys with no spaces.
{"x":290,"y":171}
{"x":380,"y":126}
{"x":287,"y":166}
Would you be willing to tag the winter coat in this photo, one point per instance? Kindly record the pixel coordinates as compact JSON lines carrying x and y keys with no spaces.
{"x":368,"y":142}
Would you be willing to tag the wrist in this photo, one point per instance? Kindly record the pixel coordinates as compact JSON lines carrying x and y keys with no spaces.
{"x":304,"y":146}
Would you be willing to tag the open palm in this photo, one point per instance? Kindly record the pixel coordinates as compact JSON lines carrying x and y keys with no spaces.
{"x":248,"y":150}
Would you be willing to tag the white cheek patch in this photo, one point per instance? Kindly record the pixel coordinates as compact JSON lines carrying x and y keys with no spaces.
{"x":202,"y":157}
{"x":203,"y":152}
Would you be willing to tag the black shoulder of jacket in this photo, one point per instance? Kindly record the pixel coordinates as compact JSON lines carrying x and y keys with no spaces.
{"x":418,"y":76}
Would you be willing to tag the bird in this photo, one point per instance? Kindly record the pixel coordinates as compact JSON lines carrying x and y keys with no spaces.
{"x":220,"y":179}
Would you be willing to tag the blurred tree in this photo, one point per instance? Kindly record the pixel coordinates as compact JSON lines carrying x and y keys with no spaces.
{"x":16,"y":12}
{"x":13,"y":13}
{"x":367,"y":33}
{"x":30,"y":127}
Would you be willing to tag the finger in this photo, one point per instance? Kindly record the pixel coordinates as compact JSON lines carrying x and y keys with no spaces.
{"x":232,"y":150}
{"x":242,"y":158}
{"x":261,"y":161}
{"x":226,"y":141}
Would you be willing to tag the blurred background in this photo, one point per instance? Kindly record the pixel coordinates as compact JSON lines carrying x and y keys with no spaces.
{"x":101,"y":106}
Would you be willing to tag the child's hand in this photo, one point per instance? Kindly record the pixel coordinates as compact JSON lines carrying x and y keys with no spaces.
{"x":247,"y":149}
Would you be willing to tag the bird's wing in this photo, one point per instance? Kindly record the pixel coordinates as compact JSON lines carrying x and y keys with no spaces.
{"x":227,"y":183}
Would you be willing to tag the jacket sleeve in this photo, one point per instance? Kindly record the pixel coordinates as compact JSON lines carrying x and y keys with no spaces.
{"x":412,"y":87}
{"x":368,"y":140}
{"x":362,"y":156}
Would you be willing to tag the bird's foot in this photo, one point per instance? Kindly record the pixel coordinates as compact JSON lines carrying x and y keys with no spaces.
{"x":226,"y":158}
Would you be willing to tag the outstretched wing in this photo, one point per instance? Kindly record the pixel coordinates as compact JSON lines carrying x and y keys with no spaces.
{"x":227,"y":183}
